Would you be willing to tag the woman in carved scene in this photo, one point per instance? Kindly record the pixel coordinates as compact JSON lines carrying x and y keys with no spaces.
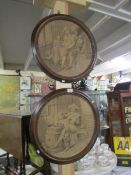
{"x":81,"y":45}
{"x":71,"y":124}
{"x":74,"y":123}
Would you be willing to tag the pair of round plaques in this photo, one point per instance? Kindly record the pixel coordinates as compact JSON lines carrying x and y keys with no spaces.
{"x":64,"y":125}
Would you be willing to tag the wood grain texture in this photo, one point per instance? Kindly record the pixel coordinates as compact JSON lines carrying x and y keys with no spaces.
{"x":12,"y":134}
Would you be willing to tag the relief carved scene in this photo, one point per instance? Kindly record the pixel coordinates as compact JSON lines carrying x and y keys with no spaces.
{"x":66,"y":125}
{"x":64,"y":48}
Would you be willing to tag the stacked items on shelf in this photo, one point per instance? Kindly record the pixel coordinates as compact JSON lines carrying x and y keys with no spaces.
{"x":99,"y":160}
{"x":25,"y":89}
{"x":32,"y":89}
{"x":41,"y":86}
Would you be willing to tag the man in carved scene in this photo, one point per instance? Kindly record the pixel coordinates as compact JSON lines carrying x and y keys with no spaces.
{"x":68,"y":42}
{"x":56,"y":50}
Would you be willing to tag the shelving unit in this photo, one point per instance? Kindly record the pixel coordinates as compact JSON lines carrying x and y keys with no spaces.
{"x":100,"y":99}
{"x":119,"y":117}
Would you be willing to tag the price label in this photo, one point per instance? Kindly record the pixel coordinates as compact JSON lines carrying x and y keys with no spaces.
{"x":70,"y":90}
{"x":122,"y":145}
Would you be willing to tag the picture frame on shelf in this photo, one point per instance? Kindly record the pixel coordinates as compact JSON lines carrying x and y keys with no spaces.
{"x":24,"y":97}
{"x":25,"y":108}
{"x":25,"y":83}
{"x":37,"y":89}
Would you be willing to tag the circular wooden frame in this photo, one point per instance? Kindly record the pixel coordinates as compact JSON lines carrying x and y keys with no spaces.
{"x":36,"y":120}
{"x":87,"y":35}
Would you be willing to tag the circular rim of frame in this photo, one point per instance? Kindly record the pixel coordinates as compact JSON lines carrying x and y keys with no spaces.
{"x":35,"y":34}
{"x":34,"y":133}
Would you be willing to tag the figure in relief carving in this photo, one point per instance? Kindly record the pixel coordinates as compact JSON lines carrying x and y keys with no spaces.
{"x":68,"y":42}
{"x":69,"y":48}
{"x":81,"y":45}
{"x":48,"y":55}
{"x":70,"y":124}
{"x":74,"y":123}
{"x":68,"y":45}
{"x":56,"y":50}
{"x":64,"y":127}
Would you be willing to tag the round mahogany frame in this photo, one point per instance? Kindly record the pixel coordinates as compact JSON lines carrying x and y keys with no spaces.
{"x":34,"y":120}
{"x":34,"y":39}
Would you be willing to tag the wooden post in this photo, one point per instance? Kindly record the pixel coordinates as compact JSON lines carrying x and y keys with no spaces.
{"x":61,"y":7}
{"x":68,"y":169}
{"x":50,"y":3}
{"x":74,"y":6}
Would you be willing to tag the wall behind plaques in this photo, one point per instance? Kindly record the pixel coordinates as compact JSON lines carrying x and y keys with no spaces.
{"x":9,"y":93}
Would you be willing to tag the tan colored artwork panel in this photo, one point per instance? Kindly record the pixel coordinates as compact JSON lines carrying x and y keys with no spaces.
{"x":65,"y":48}
{"x":66,"y":126}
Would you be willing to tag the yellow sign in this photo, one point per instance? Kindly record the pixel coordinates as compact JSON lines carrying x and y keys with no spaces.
{"x":122,"y":145}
